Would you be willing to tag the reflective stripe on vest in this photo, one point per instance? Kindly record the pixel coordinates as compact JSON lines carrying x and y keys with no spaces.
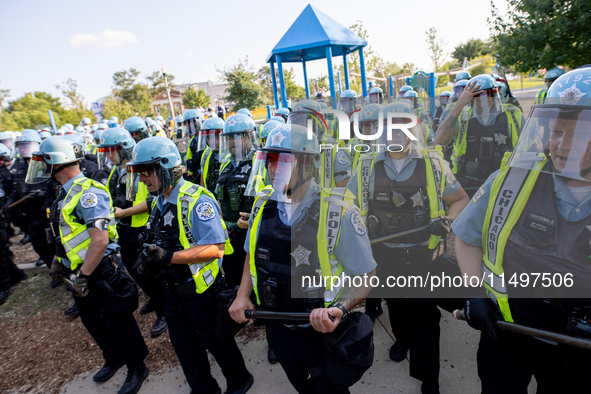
{"x":509,"y":194}
{"x":205,"y":164}
{"x":75,"y":236}
{"x":204,"y":274}
{"x":435,"y":186}
{"x":541,"y":96}
{"x":333,"y":204}
{"x":189,"y":154}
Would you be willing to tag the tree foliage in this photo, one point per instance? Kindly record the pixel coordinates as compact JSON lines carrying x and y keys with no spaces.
{"x":157,"y":84}
{"x":471,"y":49}
{"x":74,"y":100}
{"x":543,"y":33}
{"x":292,"y":89}
{"x":435,"y":48}
{"x":242,"y":88}
{"x":194,"y":98}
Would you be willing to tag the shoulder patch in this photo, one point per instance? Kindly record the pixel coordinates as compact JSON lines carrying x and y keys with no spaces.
{"x":342,"y":157}
{"x":357,"y":223}
{"x":478,"y":194}
{"x":88,"y":200}
{"x":205,"y":211}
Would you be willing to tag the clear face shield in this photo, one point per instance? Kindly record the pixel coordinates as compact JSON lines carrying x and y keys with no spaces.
{"x":156,"y":178}
{"x":399,"y":140}
{"x":192,"y":126}
{"x":286,"y":173}
{"x":316,"y":123}
{"x":347,"y":104}
{"x":237,"y":146}
{"x":39,"y":170}
{"x":9,"y":142}
{"x":456,"y":92}
{"x":487,"y":103}
{"x":209,"y":139}
{"x":556,"y":140}
{"x":376,"y":98}
{"x":368,"y":127}
{"x":443,"y":100}
{"x":26,"y":149}
{"x":111,"y":155}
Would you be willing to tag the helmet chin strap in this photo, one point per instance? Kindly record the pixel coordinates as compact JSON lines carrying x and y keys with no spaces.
{"x":55,"y":171}
{"x":301,"y":181}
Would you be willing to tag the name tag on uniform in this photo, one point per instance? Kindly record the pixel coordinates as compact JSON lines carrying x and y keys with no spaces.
{"x":263,"y":253}
{"x":540,"y":223}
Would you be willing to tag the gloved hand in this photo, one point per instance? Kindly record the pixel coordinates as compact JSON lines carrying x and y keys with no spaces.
{"x":481,"y":314}
{"x":153,"y":255}
{"x":58,"y":271}
{"x":440,"y":226}
{"x":80,"y":287}
{"x":6,"y":207}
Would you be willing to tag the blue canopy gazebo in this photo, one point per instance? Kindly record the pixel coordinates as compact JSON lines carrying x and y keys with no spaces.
{"x":313,"y":36}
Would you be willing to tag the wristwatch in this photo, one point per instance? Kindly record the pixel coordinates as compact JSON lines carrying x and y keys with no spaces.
{"x":343,"y":309}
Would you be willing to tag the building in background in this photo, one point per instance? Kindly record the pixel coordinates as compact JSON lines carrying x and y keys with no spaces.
{"x":161,"y":100}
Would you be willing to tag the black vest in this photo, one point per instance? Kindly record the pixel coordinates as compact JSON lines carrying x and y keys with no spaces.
{"x":543,"y":241}
{"x":485,"y":147}
{"x":213,"y":173}
{"x":230,"y":190}
{"x":283,"y":254}
{"x":413,"y":213}
{"x":117,"y":188}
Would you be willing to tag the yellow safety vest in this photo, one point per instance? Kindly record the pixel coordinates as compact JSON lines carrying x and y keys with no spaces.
{"x":435,"y":186}
{"x":74,"y":235}
{"x":141,"y":196}
{"x":515,"y":185}
{"x":331,"y":200}
{"x":461,"y":140}
{"x":541,"y":96}
{"x":205,"y":164}
{"x":204,"y":274}
{"x":189,"y":154}
{"x":327,"y":157}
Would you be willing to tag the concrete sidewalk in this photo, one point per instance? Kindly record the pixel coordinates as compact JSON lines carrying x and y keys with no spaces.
{"x":458,"y":373}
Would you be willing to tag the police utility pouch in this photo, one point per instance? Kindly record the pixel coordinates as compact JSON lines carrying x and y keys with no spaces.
{"x":349,"y":350}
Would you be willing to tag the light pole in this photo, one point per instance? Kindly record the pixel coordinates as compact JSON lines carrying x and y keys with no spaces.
{"x":169,"y":98}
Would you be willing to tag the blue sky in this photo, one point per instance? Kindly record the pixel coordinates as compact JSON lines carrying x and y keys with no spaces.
{"x":45,"y":43}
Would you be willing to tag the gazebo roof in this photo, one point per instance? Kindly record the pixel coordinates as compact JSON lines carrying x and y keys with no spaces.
{"x":308,"y":36}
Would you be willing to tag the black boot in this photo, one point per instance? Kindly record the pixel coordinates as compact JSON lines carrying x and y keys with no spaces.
{"x":39,"y":262}
{"x":26,"y":239}
{"x":148,"y":308}
{"x":271,"y":355}
{"x":398,"y":352}
{"x":134,"y":380}
{"x":72,"y":311}
{"x":4,"y":296}
{"x":244,"y":388}
{"x":107,"y":372}
{"x":159,"y":327}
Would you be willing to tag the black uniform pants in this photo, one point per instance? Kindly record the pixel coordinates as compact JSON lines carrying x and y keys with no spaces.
{"x":506,"y":366}
{"x":36,"y":230}
{"x":299,"y":352}
{"x":234,"y":263}
{"x":130,"y":251}
{"x":119,"y":339}
{"x":9,"y":273}
{"x":191,"y":326}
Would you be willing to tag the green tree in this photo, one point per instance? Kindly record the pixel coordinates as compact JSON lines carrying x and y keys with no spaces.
{"x":30,"y":110}
{"x":75,"y":101}
{"x":124,"y":80}
{"x":157,"y":84}
{"x":194,"y":98}
{"x":435,"y":48}
{"x":117,"y":107}
{"x":542,"y":33}
{"x":292,"y":89}
{"x":319,"y":82}
{"x":471,"y":49}
{"x":242,"y":87}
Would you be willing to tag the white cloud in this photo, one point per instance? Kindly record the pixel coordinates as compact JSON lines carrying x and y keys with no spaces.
{"x":190,"y":56}
{"x":106,"y":39}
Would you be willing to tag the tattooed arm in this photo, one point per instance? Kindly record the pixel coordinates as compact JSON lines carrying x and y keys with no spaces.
{"x":448,"y":129}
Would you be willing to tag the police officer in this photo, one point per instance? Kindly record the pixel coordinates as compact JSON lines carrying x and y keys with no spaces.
{"x":402,"y":91}
{"x":399,"y":189}
{"x":482,"y":134}
{"x":376,"y":95}
{"x":238,"y":148}
{"x":179,"y":126}
{"x":282,"y":113}
{"x":463,"y":76}
{"x":113,"y":122}
{"x":40,"y":196}
{"x":532,"y":218}
{"x":266,"y":129}
{"x":209,"y":140}
{"x":186,"y":225}
{"x":367,"y":125}
{"x":85,"y":241}
{"x":192,"y":123}
{"x":422,"y":116}
{"x":335,"y":167}
{"x":287,"y":239}
{"x":348,"y":102}
{"x":10,"y":274}
{"x":132,"y":216}
{"x":551,"y":76}
{"x":136,"y":127}
{"x":438,"y":117}
{"x":245,"y":111}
